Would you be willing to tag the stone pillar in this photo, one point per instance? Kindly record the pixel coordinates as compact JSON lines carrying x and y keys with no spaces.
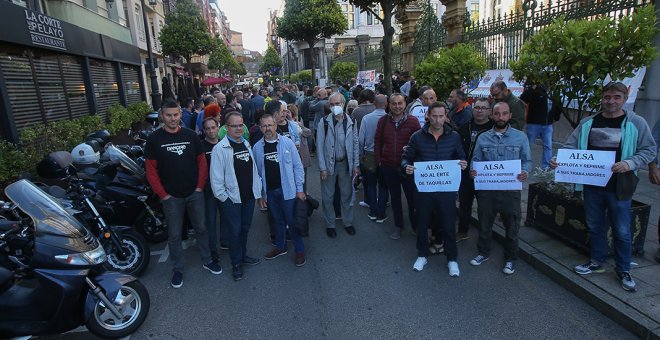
{"x":454,"y":20}
{"x":407,"y":17}
{"x":362,"y":42}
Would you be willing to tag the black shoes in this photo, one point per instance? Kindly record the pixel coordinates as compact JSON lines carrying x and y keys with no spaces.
{"x":350,"y":230}
{"x":251,"y":261}
{"x":332,"y":233}
{"x":237,"y":272}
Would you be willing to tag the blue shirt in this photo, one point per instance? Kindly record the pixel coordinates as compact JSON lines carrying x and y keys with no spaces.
{"x":510,"y":145}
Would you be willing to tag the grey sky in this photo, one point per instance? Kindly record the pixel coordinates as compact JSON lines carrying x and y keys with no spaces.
{"x":250,"y":17}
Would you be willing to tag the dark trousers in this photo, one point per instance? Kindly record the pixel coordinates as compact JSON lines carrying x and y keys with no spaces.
{"x":466,"y":195}
{"x":393,"y":182}
{"x":174,"y":209}
{"x":507,"y":204}
{"x":370,"y":182}
{"x":444,"y":203}
{"x":336,"y":201}
{"x":239,"y":220}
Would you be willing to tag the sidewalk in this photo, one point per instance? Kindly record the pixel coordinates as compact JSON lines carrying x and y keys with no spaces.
{"x":639,"y":312}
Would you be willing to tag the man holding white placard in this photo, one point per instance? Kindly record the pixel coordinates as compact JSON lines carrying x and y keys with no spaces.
{"x":492,"y":151}
{"x":436,"y":141}
{"x":629,"y":136}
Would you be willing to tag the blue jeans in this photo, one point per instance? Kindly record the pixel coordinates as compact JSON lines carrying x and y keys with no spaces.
{"x":174,"y":209}
{"x":596,"y":203}
{"x":239,"y":220}
{"x":545,"y":131}
{"x":370,"y":181}
{"x":282,"y":212}
{"x":215,"y":230}
{"x":445,"y":205}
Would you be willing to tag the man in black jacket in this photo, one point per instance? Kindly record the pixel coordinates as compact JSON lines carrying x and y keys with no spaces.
{"x":436,"y":141}
{"x":469,"y":132}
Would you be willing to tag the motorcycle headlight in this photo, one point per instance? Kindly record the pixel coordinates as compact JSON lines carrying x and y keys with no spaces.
{"x":91,"y":257}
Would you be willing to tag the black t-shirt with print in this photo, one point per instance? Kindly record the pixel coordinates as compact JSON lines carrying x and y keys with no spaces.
{"x":243,"y":169}
{"x":176,"y":157}
{"x":284,"y":130}
{"x":272,"y":166}
{"x":605,"y":135}
{"x":208,"y":149}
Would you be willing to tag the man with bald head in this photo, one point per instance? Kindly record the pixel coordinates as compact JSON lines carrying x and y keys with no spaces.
{"x":419,"y":101}
{"x":368,"y":157}
{"x":461,"y":111}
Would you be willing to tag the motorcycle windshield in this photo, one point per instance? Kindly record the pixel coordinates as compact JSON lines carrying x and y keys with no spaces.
{"x":125,"y":161}
{"x":48,"y":215}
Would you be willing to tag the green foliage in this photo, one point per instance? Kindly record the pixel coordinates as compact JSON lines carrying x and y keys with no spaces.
{"x":185,"y":32}
{"x":119,"y":118}
{"x":305,"y":75}
{"x":343,"y":71}
{"x":137,"y":111}
{"x":294,"y":78}
{"x":450,"y":68}
{"x":12,"y":162}
{"x":221,"y":58}
{"x":311,"y":21}
{"x":271,"y":61}
{"x":574,"y":57}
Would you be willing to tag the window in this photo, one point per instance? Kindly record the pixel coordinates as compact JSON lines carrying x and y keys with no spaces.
{"x":139,"y":24}
{"x":349,"y":13}
{"x":474,"y":12}
{"x":371,"y":19}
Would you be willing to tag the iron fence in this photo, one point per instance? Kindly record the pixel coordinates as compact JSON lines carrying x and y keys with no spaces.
{"x":373,"y":56}
{"x":499,"y":39}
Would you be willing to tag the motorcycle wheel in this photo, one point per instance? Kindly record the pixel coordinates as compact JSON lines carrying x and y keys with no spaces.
{"x":132,"y":301}
{"x":138,"y":254}
{"x":146,"y":225}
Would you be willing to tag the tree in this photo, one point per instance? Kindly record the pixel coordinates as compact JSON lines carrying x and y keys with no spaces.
{"x":305,"y":75}
{"x":311,"y":21}
{"x":450,"y":68}
{"x":221,"y":58}
{"x":185,"y":33}
{"x":387,"y":7}
{"x":272,"y":61}
{"x":343,"y":71}
{"x":574,"y":57}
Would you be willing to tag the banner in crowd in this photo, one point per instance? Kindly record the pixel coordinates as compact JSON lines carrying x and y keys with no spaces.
{"x":497,"y":175}
{"x":439,"y":176}
{"x":420,"y":113}
{"x":483,"y":87}
{"x":367,"y":79}
{"x":584,"y":166}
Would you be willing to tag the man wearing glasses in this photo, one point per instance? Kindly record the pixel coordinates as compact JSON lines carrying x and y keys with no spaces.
{"x":469,"y":132}
{"x":235,"y":182}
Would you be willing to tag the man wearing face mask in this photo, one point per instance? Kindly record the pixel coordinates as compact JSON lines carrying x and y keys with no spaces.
{"x":338,"y":154}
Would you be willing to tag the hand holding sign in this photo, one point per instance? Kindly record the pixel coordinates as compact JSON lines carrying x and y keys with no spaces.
{"x":440,"y":176}
{"x":590,"y":167}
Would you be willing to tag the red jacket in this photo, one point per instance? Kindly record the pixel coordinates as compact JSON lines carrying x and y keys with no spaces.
{"x":390,"y":139}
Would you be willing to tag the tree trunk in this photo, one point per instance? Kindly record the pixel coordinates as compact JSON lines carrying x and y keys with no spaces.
{"x":388,"y":11}
{"x":312,"y":60}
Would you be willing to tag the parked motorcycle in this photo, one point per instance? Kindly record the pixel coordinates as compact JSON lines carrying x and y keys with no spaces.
{"x":128,"y":251}
{"x":51,"y":275}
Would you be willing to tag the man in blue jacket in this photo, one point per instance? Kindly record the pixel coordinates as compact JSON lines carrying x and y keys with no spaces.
{"x":436,"y":141}
{"x":282,"y":176}
{"x":613,"y":129}
{"x":502,"y":143}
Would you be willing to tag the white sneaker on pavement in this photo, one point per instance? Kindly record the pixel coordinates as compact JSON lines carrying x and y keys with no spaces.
{"x":453,"y":268}
{"x":364,"y":204}
{"x":419,"y":264}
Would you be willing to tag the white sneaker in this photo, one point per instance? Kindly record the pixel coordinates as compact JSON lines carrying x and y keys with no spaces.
{"x":453,"y":268}
{"x":419,"y":264}
{"x":364,"y":204}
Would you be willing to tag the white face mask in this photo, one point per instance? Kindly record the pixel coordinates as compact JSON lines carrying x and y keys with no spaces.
{"x":336,"y":110}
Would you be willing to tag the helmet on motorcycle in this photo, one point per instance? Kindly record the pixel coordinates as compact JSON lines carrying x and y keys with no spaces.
{"x":102,"y":136}
{"x":55,"y":165}
{"x":85,"y":154}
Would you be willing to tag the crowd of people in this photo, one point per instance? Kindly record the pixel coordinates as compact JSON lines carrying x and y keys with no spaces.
{"x":229,"y":151}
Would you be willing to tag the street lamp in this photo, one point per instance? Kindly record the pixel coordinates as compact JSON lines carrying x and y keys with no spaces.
{"x":155,"y":94}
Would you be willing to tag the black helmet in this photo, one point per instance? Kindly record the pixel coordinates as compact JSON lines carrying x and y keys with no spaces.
{"x":102,"y":136}
{"x":55,"y":166}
